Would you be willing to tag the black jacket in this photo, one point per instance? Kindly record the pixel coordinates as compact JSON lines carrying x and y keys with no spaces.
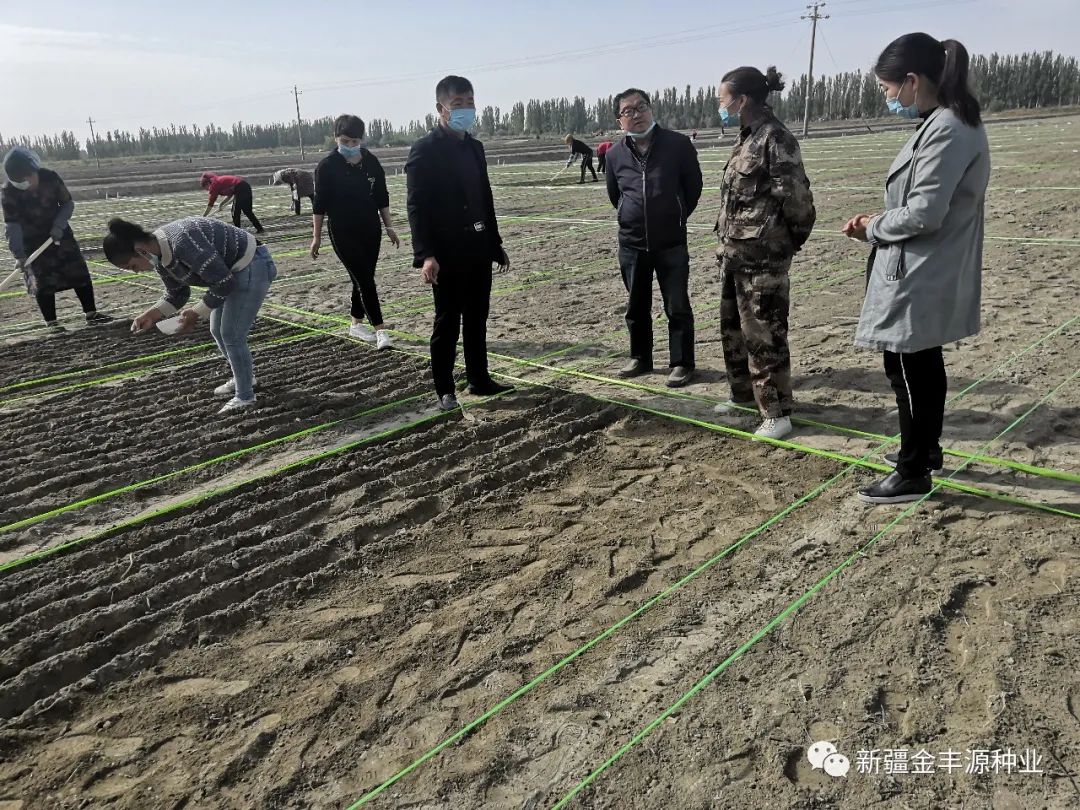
{"x":656,"y":194}
{"x":349,"y":195}
{"x":442,"y":221}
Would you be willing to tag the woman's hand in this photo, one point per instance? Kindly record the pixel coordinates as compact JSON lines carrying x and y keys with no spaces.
{"x":391,"y":234}
{"x":146,"y":320}
{"x":189,"y":319}
{"x":316,"y":243}
{"x":855,"y":228}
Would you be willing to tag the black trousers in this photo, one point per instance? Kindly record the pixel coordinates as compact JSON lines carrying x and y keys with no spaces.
{"x":462,"y":301}
{"x":358,"y":250}
{"x":918,"y":379}
{"x":586,"y":164}
{"x":242,"y":202}
{"x":601,"y":163}
{"x":47,"y":301}
{"x":672,"y":269}
{"x":296,"y":203}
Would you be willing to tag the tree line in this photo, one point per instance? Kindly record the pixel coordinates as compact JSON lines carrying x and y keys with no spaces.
{"x":1026,"y":81}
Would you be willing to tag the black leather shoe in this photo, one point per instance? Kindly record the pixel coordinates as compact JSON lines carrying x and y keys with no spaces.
{"x":635,"y":368}
{"x":895,"y":489}
{"x":937,"y":463}
{"x":489,"y":389}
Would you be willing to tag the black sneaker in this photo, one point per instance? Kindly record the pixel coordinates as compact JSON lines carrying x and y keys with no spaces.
{"x":98,"y":317}
{"x":937,"y":465}
{"x":895,"y":489}
{"x":635,"y":368}
{"x":54,"y":326}
{"x":489,"y":389}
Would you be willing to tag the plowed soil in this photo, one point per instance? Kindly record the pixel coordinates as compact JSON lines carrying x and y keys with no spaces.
{"x":344,"y":593}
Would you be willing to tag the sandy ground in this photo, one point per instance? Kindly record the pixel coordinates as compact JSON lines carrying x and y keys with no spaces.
{"x":291,"y":609}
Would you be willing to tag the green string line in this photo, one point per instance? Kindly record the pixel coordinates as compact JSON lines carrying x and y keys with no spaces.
{"x":128,"y":375}
{"x":60,"y":510}
{"x":196,"y":499}
{"x":1019,"y":466}
{"x":790,"y":609}
{"x":467,"y":729}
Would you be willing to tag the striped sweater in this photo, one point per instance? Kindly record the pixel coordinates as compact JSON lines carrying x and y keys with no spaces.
{"x":204,"y":252}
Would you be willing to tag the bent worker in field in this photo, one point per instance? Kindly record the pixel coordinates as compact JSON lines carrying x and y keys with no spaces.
{"x":301,"y":183}
{"x":601,"y":156}
{"x":654,"y":182}
{"x":230,"y":187}
{"x":581,"y":148}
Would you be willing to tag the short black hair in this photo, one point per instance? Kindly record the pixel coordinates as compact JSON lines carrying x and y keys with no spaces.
{"x":349,"y":126}
{"x":632,"y":91}
{"x":452,"y":86}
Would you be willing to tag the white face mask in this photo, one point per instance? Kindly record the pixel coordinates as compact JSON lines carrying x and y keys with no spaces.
{"x":21,"y":185}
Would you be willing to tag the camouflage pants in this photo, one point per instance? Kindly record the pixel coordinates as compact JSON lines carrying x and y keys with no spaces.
{"x":754,"y":329}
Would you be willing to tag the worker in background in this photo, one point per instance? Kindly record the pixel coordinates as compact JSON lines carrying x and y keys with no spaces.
{"x":580,"y":148}
{"x":601,"y":156}
{"x":37,"y":208}
{"x":230,"y":187}
{"x":301,"y":183}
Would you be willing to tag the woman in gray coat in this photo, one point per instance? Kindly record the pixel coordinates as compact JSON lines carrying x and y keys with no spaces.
{"x":924,"y":284}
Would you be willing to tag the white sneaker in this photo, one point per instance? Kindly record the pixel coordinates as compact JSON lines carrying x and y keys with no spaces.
{"x":448,"y":402}
{"x":363,"y":332}
{"x":383,"y":339}
{"x":229,"y":388}
{"x":776,"y":428}
{"x":733,"y":408}
{"x":235,"y":404}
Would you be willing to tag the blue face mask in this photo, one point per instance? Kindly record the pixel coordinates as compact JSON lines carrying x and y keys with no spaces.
{"x":462,"y":120}
{"x":896,"y":108}
{"x":153,"y":258}
{"x":727,"y":118}
{"x":645,"y":134}
{"x":21,"y":185}
{"x":349,"y":151}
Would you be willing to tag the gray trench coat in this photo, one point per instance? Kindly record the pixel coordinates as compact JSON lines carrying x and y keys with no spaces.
{"x":925,"y":282}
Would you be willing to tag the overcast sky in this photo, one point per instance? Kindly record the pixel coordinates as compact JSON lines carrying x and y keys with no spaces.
{"x":129,"y":64}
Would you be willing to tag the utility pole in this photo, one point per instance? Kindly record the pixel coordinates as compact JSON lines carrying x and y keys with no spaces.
{"x":814,"y":15}
{"x":93,"y":139}
{"x":299,"y":129}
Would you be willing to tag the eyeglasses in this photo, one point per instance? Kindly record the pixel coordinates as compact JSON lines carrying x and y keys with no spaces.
{"x":630,"y":112}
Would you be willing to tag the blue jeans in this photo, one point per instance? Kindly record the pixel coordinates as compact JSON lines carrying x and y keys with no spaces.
{"x":231,"y":323}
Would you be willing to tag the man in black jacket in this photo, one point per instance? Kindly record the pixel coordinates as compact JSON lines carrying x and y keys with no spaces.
{"x":455,"y":238}
{"x":654,"y":182}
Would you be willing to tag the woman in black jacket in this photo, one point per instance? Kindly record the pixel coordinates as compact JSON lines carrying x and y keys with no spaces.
{"x":350,"y":189}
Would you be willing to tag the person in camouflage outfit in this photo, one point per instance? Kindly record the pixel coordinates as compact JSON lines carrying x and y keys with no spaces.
{"x":766,"y":215}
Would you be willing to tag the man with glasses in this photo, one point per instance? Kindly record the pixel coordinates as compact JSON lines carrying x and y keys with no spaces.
{"x":654,"y":182}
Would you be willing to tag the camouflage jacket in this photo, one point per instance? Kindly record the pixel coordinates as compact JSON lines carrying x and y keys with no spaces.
{"x":766,"y":207}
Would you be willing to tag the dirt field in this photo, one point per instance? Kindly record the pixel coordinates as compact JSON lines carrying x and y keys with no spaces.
{"x":583,"y":593}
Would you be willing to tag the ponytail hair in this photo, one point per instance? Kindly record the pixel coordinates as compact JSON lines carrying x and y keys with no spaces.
{"x":944,"y":63}
{"x":749,"y":81}
{"x":120,"y":241}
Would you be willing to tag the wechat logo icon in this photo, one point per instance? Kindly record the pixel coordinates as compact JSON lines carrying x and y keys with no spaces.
{"x":824,"y":756}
